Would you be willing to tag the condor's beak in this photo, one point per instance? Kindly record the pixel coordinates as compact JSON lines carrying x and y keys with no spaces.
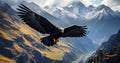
{"x":55,"y":40}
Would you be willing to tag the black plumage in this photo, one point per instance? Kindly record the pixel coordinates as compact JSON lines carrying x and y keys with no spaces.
{"x":42,"y":25}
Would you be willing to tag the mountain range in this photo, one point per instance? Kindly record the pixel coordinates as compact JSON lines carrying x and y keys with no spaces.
{"x":101,"y":21}
{"x":21,"y":44}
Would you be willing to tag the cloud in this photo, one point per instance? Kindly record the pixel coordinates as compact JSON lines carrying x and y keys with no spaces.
{"x":58,"y":2}
{"x":96,"y":2}
{"x":86,"y":2}
{"x":115,"y":4}
{"x":48,"y":2}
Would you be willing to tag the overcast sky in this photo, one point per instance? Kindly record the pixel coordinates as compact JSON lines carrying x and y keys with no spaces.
{"x":114,"y":4}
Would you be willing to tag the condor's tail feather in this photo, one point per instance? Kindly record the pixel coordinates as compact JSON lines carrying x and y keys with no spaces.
{"x":48,"y":41}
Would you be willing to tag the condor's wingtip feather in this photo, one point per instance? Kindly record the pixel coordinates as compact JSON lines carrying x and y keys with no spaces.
{"x":25,"y":7}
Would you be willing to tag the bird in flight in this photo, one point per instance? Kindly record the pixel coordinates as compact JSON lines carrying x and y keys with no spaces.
{"x":42,"y":25}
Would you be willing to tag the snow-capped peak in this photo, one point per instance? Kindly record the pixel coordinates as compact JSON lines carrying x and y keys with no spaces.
{"x":98,"y":12}
{"x":77,"y":4}
{"x":78,"y":10}
{"x":94,"y":14}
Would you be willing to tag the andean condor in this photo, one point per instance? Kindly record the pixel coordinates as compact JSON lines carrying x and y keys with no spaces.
{"x":42,"y":25}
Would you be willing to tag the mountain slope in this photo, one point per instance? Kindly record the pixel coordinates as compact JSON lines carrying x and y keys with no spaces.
{"x":21,"y":43}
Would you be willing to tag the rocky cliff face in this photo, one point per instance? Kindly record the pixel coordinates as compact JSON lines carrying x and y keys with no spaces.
{"x":108,"y":52}
{"x":21,"y":44}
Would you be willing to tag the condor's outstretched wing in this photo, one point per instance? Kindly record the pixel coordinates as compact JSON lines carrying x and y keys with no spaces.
{"x":35,"y":21}
{"x":74,"y":31}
